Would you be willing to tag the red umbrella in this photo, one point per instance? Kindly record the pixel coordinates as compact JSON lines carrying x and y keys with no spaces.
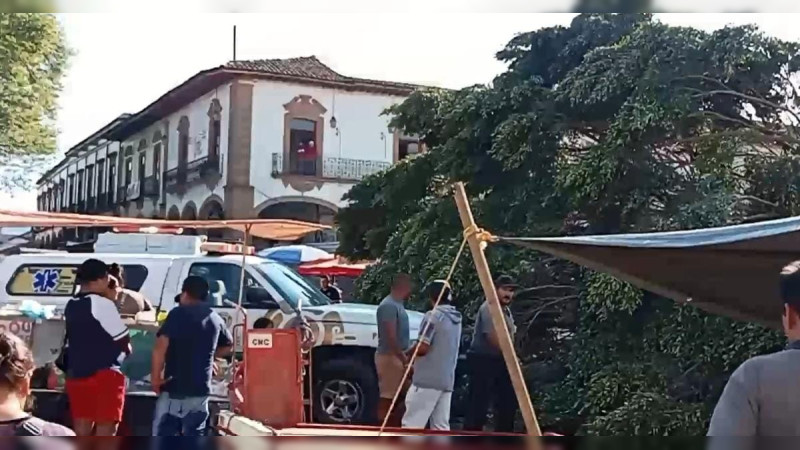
{"x":334,"y":268}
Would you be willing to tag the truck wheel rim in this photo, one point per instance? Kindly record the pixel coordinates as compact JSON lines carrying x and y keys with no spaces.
{"x":341,"y":400}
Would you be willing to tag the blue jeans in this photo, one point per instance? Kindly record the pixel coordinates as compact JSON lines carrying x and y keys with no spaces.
{"x":180,"y":416}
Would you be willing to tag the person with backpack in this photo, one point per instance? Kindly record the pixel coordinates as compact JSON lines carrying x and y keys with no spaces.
{"x":16,"y":369}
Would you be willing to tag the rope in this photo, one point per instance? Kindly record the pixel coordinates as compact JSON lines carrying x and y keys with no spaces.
{"x":483,"y":235}
{"x":424,"y":331}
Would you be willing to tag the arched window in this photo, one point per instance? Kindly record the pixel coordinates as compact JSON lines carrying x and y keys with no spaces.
{"x":183,"y":143}
{"x":214,"y":130}
{"x":157,"y":149}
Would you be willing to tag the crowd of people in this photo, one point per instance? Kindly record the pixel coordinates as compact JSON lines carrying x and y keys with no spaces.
{"x":95,"y":345}
{"x":427,"y":400}
{"x":193,"y":336}
{"x":757,"y":400}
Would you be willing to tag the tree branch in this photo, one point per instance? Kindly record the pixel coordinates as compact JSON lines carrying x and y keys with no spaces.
{"x":541,"y":309}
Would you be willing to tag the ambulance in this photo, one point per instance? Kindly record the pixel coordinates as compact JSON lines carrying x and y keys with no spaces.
{"x":345,"y":335}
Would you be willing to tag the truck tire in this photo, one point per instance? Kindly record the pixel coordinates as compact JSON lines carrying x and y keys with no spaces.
{"x":345,"y":392}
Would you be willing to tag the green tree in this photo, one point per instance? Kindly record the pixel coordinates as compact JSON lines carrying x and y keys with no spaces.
{"x":33,"y":58}
{"x":29,"y":6}
{"x":617,"y":123}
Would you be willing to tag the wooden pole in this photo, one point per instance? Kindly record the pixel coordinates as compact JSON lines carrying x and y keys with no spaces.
{"x":498,"y":319}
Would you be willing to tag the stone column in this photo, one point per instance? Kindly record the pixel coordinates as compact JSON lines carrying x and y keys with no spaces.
{"x":239,"y":192}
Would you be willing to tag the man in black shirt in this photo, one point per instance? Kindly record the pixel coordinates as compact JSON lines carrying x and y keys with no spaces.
{"x":330,"y":291}
{"x":183,"y":358}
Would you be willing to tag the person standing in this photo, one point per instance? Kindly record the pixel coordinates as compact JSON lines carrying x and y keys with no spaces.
{"x":762,"y":397}
{"x":183,"y":359}
{"x":489,"y":381}
{"x":330,"y":291}
{"x":97,"y":341}
{"x":393,"y":342}
{"x":429,"y":398}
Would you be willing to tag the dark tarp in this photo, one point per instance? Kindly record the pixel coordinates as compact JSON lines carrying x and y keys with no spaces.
{"x":731,"y":271}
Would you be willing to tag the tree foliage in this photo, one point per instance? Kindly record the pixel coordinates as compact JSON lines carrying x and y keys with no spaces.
{"x":28,"y":6}
{"x":33,"y":57}
{"x":617,"y":123}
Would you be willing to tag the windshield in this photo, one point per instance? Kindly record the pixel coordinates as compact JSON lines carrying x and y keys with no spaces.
{"x":291,"y":285}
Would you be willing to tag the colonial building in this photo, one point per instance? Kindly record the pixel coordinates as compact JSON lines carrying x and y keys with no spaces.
{"x":281,"y":138}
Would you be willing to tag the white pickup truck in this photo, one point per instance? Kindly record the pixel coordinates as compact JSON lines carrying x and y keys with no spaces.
{"x":345,"y":384}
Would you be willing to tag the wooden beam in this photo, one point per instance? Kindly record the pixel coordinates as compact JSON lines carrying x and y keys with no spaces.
{"x":498,"y":319}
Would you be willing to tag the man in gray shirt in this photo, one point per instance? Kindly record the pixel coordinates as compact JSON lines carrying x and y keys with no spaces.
{"x":435,"y":368}
{"x":488,"y":376}
{"x":762,"y":397}
{"x":393,"y":342}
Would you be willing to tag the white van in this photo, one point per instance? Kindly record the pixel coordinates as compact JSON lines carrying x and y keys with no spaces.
{"x":345,"y":383}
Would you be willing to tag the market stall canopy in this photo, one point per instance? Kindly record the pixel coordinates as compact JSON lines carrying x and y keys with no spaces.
{"x":334,"y":268}
{"x":731,"y":271}
{"x":274,"y":229}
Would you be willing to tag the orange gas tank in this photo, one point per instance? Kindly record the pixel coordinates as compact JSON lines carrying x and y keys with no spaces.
{"x":273,"y":377}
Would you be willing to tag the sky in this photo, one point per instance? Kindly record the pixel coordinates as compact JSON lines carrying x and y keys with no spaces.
{"x":126,"y":58}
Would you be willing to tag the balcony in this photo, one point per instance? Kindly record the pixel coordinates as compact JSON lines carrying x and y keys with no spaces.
{"x":91,"y":205}
{"x":81,"y":207}
{"x":175,"y":176}
{"x":202,"y":169}
{"x":102,"y":202}
{"x":343,"y":169}
{"x":150,"y":187}
{"x":205,"y":166}
{"x":121,"y":197}
{"x":133,"y":191}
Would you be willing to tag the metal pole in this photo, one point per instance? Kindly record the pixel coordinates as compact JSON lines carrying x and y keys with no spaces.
{"x":241,"y":287}
{"x":234,"y":42}
{"x":244,"y":261}
{"x":498,"y":319}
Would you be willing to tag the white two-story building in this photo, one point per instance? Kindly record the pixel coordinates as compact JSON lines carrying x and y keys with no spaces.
{"x":281,"y":138}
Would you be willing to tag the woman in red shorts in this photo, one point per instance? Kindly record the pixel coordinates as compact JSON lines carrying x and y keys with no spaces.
{"x":97,"y":342}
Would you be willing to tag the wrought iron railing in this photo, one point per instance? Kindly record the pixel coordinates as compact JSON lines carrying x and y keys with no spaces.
{"x":180,"y":174}
{"x":175,"y":176}
{"x":122,"y":194}
{"x":102,"y":202}
{"x":208,"y":165}
{"x":150,"y":187}
{"x":333,"y":168}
